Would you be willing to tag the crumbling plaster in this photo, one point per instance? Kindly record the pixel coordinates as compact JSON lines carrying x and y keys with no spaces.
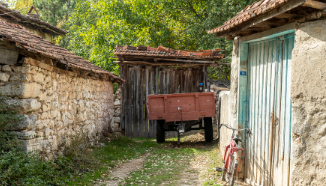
{"x":308,"y":92}
{"x":56,"y":105}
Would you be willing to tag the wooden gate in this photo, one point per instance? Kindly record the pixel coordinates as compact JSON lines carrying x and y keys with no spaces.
{"x":268,"y":149}
{"x":142,"y":81}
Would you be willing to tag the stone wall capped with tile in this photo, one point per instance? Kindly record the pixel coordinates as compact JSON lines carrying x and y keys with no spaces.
{"x":55,"y":105}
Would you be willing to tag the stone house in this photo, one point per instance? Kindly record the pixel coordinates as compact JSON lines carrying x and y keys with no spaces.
{"x":278,"y":90}
{"x":58,"y":93}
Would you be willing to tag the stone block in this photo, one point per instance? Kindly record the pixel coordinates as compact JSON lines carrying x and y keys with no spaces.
{"x":25,"y":105}
{"x":116,"y":119}
{"x":17,"y":69}
{"x":40,"y":124}
{"x":81,"y":117}
{"x":25,"y":134}
{"x":38,"y":77}
{"x":20,"y":77}
{"x":117,"y":103}
{"x":6,"y":68}
{"x":8,"y":56}
{"x":4,"y":77}
{"x":47,"y":132}
{"x":46,"y":107}
{"x":21,"y":90}
{"x":28,"y":69}
{"x":26,"y":122}
{"x":117,"y":127}
{"x":31,"y":144}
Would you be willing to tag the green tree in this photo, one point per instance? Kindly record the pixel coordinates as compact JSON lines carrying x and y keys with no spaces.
{"x":55,"y":12}
{"x":96,"y":27}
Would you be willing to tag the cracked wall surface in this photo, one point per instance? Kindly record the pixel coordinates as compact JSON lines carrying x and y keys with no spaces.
{"x":308,"y":92}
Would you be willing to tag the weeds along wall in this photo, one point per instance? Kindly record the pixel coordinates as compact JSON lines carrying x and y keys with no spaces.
{"x":308,"y":93}
{"x":56,"y":104}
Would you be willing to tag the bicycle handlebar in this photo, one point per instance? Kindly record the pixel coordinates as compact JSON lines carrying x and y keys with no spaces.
{"x":227,"y":126}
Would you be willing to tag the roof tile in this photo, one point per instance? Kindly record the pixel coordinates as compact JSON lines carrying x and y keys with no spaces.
{"x":35,"y":44}
{"x":248,"y":13}
{"x":167,"y":52}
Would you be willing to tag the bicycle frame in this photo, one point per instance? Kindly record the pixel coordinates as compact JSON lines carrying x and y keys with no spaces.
{"x":234,"y":148}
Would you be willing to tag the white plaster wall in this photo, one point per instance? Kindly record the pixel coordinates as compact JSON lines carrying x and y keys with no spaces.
{"x":308,"y":92}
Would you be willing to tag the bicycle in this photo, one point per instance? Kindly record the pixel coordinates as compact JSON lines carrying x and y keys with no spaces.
{"x":231,"y":165}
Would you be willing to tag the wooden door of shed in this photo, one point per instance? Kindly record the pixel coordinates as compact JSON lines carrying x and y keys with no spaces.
{"x":268,"y":149}
{"x":142,"y":81}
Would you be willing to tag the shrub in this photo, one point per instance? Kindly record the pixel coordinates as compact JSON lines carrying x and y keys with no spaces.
{"x":8,"y":117}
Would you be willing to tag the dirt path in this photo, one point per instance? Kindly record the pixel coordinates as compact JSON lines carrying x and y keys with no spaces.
{"x":119,"y":173}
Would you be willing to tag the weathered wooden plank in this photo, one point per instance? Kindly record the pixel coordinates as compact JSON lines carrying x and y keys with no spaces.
{"x":190,"y":80}
{"x":184,"y":81}
{"x":147,"y":89}
{"x":161,"y":84}
{"x":179,"y":81}
{"x":131,"y":102}
{"x":167,"y":88}
{"x":127,"y":98}
{"x":172,"y":81}
{"x":156,"y":83}
{"x":141,"y":103}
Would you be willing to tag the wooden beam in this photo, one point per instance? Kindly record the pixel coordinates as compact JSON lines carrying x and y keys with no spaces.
{"x":313,"y":16}
{"x":289,"y":16}
{"x":184,"y":60}
{"x":315,"y":4}
{"x":262,"y":17}
{"x":169,"y":64}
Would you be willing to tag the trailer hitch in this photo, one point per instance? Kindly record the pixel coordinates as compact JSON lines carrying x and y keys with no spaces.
{"x":181,"y":127}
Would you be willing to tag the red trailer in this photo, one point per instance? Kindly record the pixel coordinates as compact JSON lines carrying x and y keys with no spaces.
{"x":180,"y":112}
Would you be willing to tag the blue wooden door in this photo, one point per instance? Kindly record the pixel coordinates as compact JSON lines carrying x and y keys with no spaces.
{"x":268,"y":149}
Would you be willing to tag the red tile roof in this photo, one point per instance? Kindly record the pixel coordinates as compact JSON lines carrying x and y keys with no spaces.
{"x":250,"y":12}
{"x":29,"y":21}
{"x":32,"y":43}
{"x":167,"y":52}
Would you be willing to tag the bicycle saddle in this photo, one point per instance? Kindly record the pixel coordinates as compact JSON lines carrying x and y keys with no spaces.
{"x":236,"y":138}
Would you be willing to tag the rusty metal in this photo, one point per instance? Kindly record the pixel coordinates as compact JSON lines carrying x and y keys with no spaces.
{"x":194,"y":106}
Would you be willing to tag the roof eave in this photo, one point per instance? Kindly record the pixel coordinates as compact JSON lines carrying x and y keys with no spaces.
{"x":258,"y":19}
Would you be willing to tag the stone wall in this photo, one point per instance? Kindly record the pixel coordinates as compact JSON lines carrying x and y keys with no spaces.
{"x":308,"y":92}
{"x":56,"y":104}
{"x":117,"y":112}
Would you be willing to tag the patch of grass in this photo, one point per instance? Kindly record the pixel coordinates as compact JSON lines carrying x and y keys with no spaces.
{"x":166,"y":164}
{"x":213,"y":160}
{"x":113,"y":153}
{"x":161,"y":165}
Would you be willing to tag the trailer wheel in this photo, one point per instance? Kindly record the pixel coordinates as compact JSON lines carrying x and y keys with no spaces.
{"x":208,"y":129}
{"x":160,"y":133}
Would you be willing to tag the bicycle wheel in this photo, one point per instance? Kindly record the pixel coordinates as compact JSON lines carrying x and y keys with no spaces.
{"x":231,"y":172}
{"x":234,"y":172}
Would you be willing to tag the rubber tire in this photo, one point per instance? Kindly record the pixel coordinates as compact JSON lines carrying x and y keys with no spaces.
{"x":160,"y":132}
{"x":208,"y":129}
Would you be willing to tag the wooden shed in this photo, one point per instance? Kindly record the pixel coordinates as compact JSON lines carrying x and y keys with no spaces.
{"x":161,"y":70}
